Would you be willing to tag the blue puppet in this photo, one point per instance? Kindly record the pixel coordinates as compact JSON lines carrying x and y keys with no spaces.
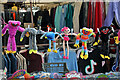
{"x":84,"y":35}
{"x":51,"y":37}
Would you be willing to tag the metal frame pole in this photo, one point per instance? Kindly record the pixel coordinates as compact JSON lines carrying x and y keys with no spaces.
{"x":0,"y":39}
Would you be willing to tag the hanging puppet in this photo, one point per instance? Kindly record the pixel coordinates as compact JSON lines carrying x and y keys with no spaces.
{"x":51,"y":37}
{"x":31,"y":33}
{"x":66,"y":32}
{"x":104,"y":34}
{"x":12,"y":27}
{"x":84,"y":35}
{"x":116,"y":38}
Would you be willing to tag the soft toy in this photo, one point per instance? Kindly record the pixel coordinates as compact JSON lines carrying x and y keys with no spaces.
{"x":12,"y":27}
{"x":31,"y":33}
{"x":104,"y":34}
{"x":66,"y":31}
{"x":84,"y":35}
{"x":119,"y":35}
{"x":20,"y":73}
{"x":51,"y":37}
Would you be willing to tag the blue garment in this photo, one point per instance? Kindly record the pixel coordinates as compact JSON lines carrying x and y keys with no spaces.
{"x":113,"y":10}
{"x":58,"y":57}
{"x":9,"y":65}
{"x":57,"y":18}
{"x":13,"y":63}
{"x":4,"y":62}
{"x":63,"y":15}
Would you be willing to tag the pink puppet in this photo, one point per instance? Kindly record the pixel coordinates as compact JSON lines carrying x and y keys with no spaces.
{"x":119,"y":35}
{"x":66,"y":32}
{"x":12,"y":27}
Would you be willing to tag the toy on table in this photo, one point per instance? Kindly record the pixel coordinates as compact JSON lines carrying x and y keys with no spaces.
{"x":31,"y":33}
{"x":12,"y":27}
{"x":104,"y":34}
{"x":20,"y":73}
{"x":84,"y":35}
{"x":51,"y":37}
{"x":66,"y":31}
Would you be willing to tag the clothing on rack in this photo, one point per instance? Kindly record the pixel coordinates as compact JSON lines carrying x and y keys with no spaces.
{"x":83,"y":15}
{"x":34,"y":61}
{"x":77,"y":9}
{"x":113,"y":11}
{"x":69,"y":16}
{"x":58,"y":57}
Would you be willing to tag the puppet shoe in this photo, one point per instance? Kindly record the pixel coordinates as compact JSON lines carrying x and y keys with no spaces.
{"x":55,"y":51}
{"x":49,"y":50}
{"x":64,"y":57}
{"x":30,"y":51}
{"x":13,"y":52}
{"x":7,"y":51}
{"x":107,"y":57}
{"x":81,"y":55}
{"x":95,"y":44}
{"x":85,"y":57}
{"x":102,"y":56}
{"x":67,"y":57}
{"x":76,"y":45}
{"x":34,"y":51}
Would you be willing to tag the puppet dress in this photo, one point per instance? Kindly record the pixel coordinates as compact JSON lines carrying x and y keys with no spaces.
{"x":66,"y":38}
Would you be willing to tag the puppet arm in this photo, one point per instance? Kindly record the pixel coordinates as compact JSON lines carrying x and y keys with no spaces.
{"x":77,"y":40}
{"x":43,"y":35}
{"x":40,"y":32}
{"x":59,"y":35}
{"x":4,"y":29}
{"x":23,"y":34}
{"x":21,"y":29}
{"x":96,"y":39}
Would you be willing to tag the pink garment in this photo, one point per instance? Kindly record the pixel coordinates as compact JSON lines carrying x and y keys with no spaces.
{"x":66,"y":38}
{"x":12,"y":32}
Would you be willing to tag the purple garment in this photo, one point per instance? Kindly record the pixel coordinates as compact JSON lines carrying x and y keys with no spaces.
{"x":113,"y":9}
{"x":12,"y":32}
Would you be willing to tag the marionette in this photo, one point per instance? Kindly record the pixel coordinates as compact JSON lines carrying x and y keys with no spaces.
{"x":84,"y":35}
{"x":104,"y":34}
{"x":119,"y":35}
{"x":12,"y":27}
{"x":51,"y":37}
{"x":66,"y":32}
{"x":116,"y":38}
{"x":31,"y":33}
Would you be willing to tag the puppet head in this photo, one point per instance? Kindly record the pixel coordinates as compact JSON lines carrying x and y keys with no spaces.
{"x":105,"y":29}
{"x":14,"y":23}
{"x":66,"y":30}
{"x":86,"y":31}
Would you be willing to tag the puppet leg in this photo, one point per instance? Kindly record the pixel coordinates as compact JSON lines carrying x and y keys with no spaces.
{"x":49,"y":49}
{"x":30,"y":44}
{"x":107,"y":50}
{"x":54,"y":45}
{"x":13,"y":45}
{"x":86,"y":51}
{"x":76,"y":43}
{"x":34,"y":44}
{"x":82,"y":52}
{"x":64,"y":49}
{"x":67,"y":51}
{"x":8,"y":45}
